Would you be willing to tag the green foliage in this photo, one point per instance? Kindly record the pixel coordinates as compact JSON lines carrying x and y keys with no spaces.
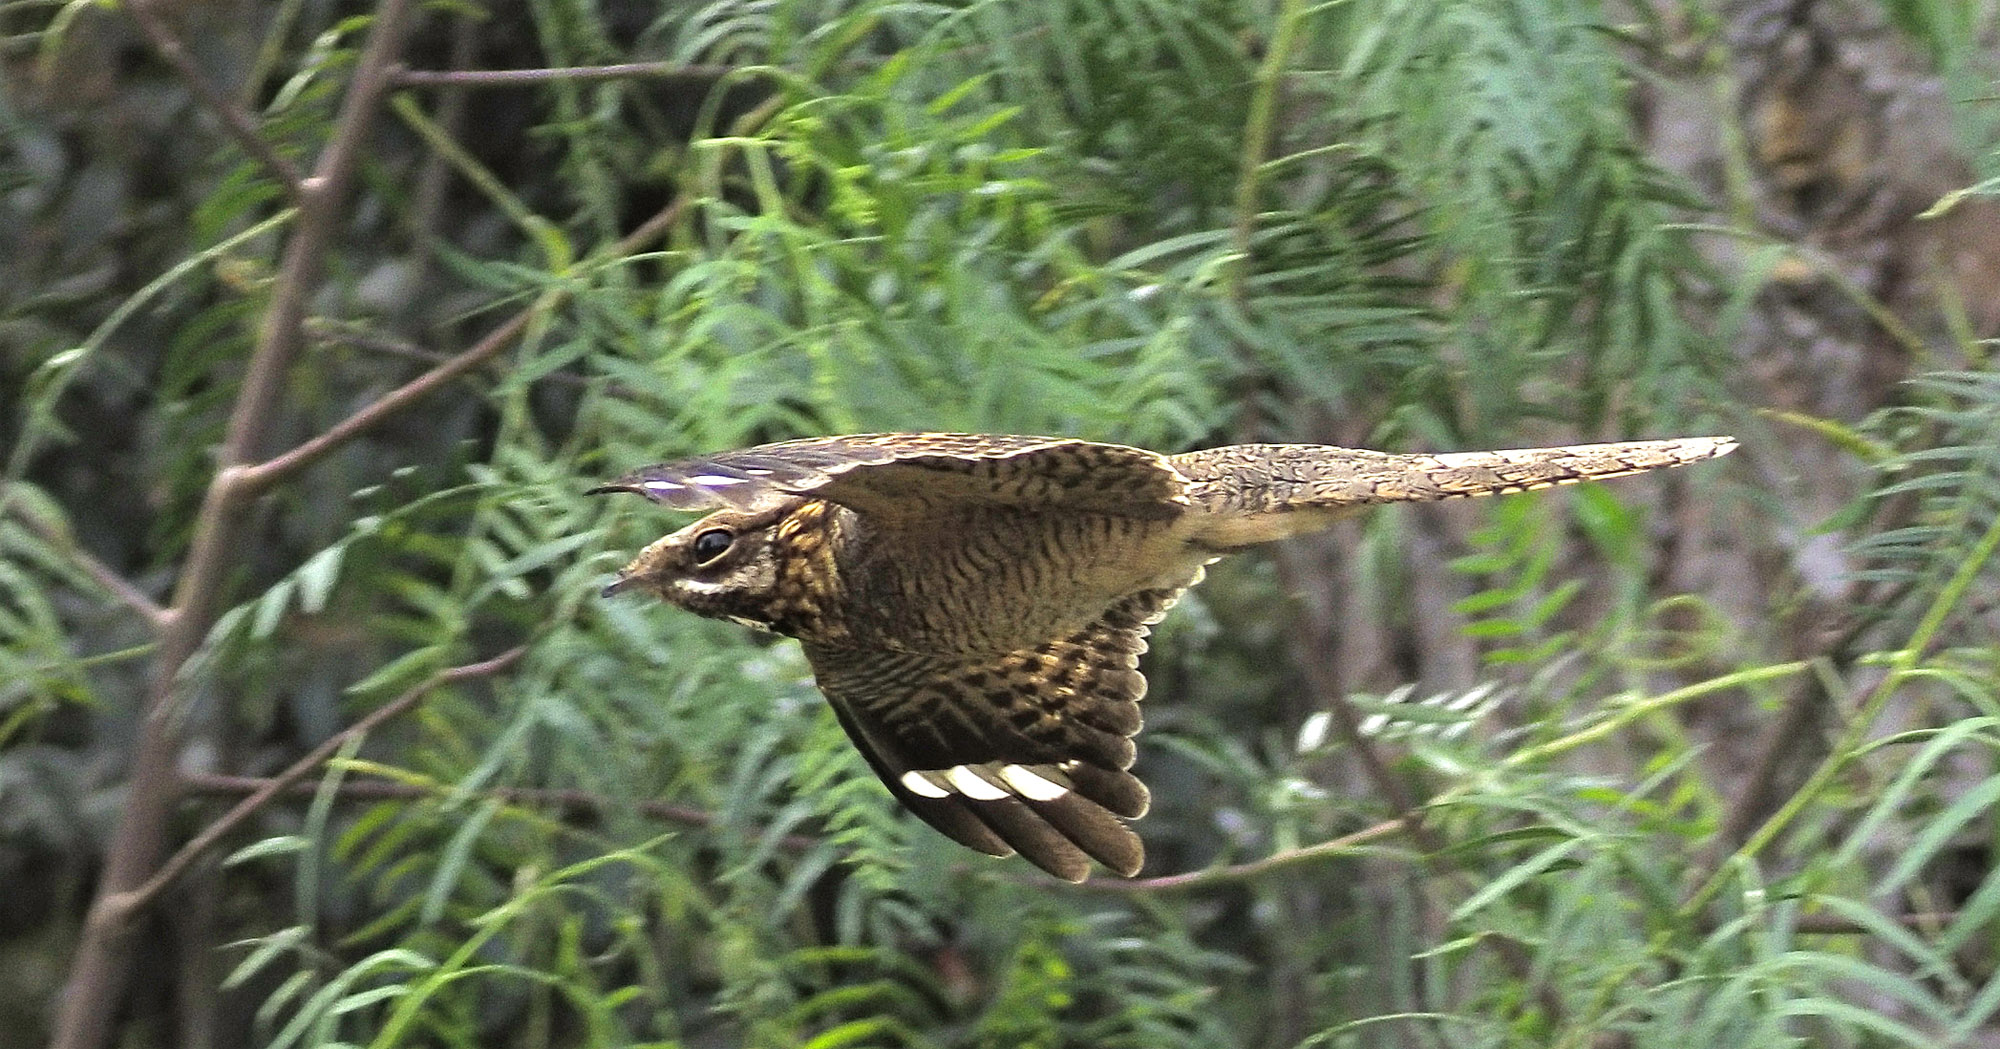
{"x":1010,"y":217}
{"x":1954,"y":478}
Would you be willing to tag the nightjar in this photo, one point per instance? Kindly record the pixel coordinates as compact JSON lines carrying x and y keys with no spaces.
{"x":974,"y":606}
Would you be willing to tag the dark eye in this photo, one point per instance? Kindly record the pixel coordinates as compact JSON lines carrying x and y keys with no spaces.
{"x":711,"y":544}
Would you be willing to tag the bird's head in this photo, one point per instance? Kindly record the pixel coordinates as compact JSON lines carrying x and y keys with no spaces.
{"x":724,"y":566}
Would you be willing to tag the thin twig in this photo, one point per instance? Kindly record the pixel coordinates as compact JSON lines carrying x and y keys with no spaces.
{"x":300,"y":769}
{"x":240,"y":125}
{"x":567,"y":801}
{"x":1253,"y":869}
{"x":252,"y":479}
{"x":434,"y":175}
{"x":1835,"y":925}
{"x":127,"y":593}
{"x":1902,"y":665}
{"x":519,"y":77}
{"x":325,"y":332}
{"x":1756,"y":796}
{"x":104,"y":575}
{"x":1328,"y":695}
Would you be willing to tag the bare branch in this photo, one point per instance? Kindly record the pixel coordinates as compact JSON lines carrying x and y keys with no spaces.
{"x":121,"y":588}
{"x":327,"y":332}
{"x":1328,"y":695}
{"x":300,"y":769}
{"x":252,"y":479}
{"x":104,"y":575}
{"x":568,"y":802}
{"x":265,"y":474}
{"x":586,"y":74}
{"x":240,"y":125}
{"x":1820,"y":632}
{"x":434,"y":175}
{"x":101,"y":967}
{"x":1343,"y":846}
{"x":1835,"y":925}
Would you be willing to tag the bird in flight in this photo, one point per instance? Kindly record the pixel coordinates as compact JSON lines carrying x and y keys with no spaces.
{"x":974,"y":606}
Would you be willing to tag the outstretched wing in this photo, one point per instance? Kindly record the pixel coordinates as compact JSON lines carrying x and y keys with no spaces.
{"x":1027,"y":752}
{"x":906,"y":476}
{"x":1256,"y":493}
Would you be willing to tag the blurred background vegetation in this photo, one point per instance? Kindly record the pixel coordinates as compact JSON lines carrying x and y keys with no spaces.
{"x":1704,"y":758}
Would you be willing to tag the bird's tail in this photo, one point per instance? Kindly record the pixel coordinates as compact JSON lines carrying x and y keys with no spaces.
{"x":1255,"y":493}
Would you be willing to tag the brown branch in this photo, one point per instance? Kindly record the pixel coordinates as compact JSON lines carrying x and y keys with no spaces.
{"x":127,"y":593}
{"x":1756,"y":796}
{"x":238,"y":123}
{"x":324,"y":332}
{"x":434,"y":176}
{"x":685,"y":71}
{"x":586,"y":74}
{"x":1835,"y":925}
{"x":571,"y":803}
{"x":1253,"y":869}
{"x":132,"y":901}
{"x":1821,"y":924}
{"x":101,"y":967}
{"x":121,"y":588}
{"x":252,"y":479}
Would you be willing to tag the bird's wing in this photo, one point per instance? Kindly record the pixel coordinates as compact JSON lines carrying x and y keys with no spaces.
{"x":909,"y":476}
{"x":1028,"y":752}
{"x":1256,"y":493}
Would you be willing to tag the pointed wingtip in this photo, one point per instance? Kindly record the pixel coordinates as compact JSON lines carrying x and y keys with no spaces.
{"x":1697,"y":449}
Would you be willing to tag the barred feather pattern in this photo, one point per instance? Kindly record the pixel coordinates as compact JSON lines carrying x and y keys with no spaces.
{"x":1026,"y":752}
{"x":974,"y":606}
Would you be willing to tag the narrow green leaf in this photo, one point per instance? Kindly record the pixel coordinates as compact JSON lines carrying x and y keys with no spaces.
{"x":452,"y":861}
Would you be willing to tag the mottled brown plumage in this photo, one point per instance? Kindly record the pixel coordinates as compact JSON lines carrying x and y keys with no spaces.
{"x":974,"y":606}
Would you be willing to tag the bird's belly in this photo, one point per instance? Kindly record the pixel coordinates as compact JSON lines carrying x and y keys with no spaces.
{"x":1002,"y":580}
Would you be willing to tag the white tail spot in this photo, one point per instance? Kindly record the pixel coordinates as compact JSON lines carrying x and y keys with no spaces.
{"x":919,"y":784}
{"x":1030,"y":784}
{"x":972,"y":785}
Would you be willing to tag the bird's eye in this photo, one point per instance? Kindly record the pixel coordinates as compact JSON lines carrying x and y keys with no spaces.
{"x":711,"y":544}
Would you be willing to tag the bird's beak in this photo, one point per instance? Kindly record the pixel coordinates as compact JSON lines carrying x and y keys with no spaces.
{"x":618,"y":586}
